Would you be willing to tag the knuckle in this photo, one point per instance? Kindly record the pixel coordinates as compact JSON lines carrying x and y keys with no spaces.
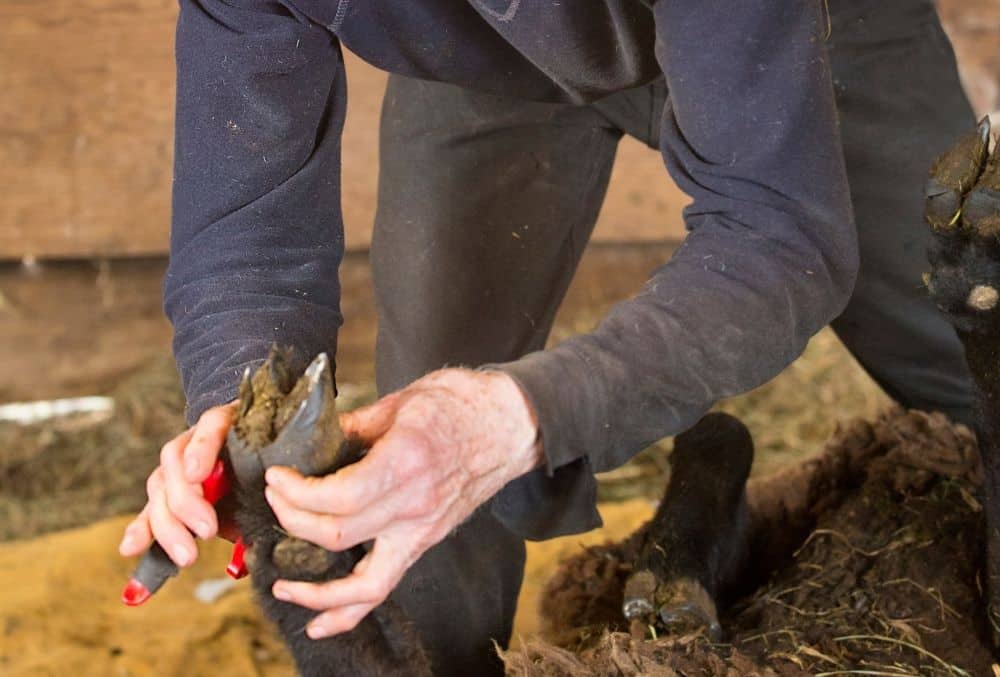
{"x":141,"y":521}
{"x":214,"y":419}
{"x":154,"y":483}
{"x":303,"y":490}
{"x":167,"y":452}
{"x":178,"y":506}
{"x":422,"y":453}
{"x":378,"y":591}
{"x":186,"y":506}
{"x":414,"y":462}
{"x":343,"y":622}
{"x":360,"y":614}
{"x":159,"y":525}
{"x":286,"y":518}
{"x":324,"y":596}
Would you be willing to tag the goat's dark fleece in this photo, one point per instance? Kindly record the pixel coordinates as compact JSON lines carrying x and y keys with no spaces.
{"x":963,"y":209}
{"x":384,"y":643}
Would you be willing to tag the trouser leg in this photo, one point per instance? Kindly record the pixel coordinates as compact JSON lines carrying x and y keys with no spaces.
{"x":900,"y":105}
{"x":485,"y":205}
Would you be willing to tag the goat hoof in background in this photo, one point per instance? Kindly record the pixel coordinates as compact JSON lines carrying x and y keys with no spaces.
{"x":697,"y":543}
{"x":962,"y":206}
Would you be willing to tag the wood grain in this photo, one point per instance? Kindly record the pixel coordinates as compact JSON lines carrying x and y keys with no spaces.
{"x":85,"y":126}
{"x":86,"y":137}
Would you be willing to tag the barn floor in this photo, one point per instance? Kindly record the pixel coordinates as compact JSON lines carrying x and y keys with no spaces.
{"x":82,"y":329}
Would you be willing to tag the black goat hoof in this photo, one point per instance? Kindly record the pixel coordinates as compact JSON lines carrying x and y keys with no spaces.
{"x":698,"y":540}
{"x":962,"y":206}
{"x":953,"y":176}
{"x":963,"y":209}
{"x":288,"y":422}
{"x":678,"y":607}
{"x":296,"y":559}
{"x":640,"y":596}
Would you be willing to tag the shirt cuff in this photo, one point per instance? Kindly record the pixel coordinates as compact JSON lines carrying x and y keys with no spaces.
{"x":561,"y":497}
{"x":569,"y":425}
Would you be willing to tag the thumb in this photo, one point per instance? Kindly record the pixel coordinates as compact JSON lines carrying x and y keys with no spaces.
{"x":371,"y":422}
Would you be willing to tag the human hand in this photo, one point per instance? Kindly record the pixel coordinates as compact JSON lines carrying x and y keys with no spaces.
{"x":439,"y":449}
{"x":176,"y":506}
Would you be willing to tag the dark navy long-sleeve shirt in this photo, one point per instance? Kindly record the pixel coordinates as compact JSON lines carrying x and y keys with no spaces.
{"x":749,"y":132}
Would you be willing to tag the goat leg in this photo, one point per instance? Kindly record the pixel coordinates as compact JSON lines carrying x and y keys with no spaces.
{"x":698,"y":538}
{"x":281,"y":422}
{"x":963,"y":209}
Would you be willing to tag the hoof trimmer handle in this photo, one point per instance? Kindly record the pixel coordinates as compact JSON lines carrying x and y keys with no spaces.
{"x":156,"y":567}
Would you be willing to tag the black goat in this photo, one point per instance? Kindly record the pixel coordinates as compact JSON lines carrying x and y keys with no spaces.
{"x":963,"y":209}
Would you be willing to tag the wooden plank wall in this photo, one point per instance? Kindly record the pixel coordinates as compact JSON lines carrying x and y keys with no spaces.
{"x":85,"y":119}
{"x":86,"y":114}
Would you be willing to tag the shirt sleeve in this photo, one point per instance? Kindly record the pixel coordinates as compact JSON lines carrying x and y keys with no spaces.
{"x":257,"y":234}
{"x":750,"y":133}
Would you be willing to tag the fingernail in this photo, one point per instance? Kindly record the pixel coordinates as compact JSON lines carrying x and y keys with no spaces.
{"x":272,"y":477}
{"x":181,"y":555}
{"x":269,"y":495}
{"x":316,"y":630}
{"x":126,"y":543}
{"x":203,"y":528}
{"x":192,"y":467}
{"x":282,"y":594}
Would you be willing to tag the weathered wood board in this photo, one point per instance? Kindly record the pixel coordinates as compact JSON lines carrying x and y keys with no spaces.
{"x":86,"y":115}
{"x":85,"y":119}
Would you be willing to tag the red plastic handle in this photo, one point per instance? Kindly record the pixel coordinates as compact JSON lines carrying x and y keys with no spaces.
{"x":237,"y":567}
{"x":216,"y":485}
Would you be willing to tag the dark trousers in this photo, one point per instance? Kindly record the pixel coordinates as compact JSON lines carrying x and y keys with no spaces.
{"x":461,"y":171}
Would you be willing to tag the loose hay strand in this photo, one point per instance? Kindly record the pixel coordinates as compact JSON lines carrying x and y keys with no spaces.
{"x":866,"y":672}
{"x":919,"y":649}
{"x":815,"y":653}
